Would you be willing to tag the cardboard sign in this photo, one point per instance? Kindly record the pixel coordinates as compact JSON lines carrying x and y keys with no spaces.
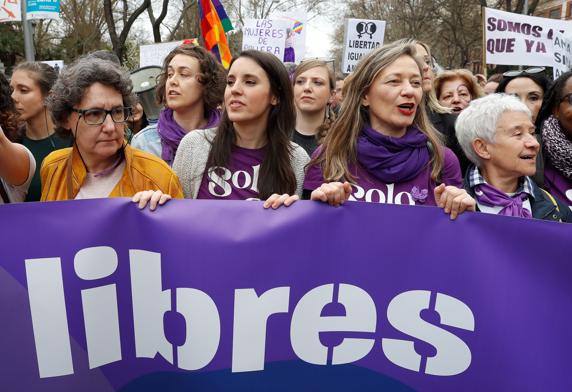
{"x":361,"y":37}
{"x":266,"y":35}
{"x":515,"y":39}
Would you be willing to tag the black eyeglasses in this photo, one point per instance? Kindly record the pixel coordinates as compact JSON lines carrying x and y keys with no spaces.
{"x":567,"y":98}
{"x":529,"y":71}
{"x":97,"y":116}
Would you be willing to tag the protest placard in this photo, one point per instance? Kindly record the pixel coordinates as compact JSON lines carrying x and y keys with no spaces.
{"x":562,"y":60}
{"x":43,"y":9}
{"x":224,"y":295}
{"x":515,"y":39}
{"x":154,"y":54}
{"x":266,"y":35}
{"x":11,"y":11}
{"x":295,"y":35}
{"x":361,"y":36}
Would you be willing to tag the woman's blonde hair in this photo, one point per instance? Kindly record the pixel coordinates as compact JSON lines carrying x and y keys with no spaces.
{"x":339,"y":147}
{"x":466,"y":76}
{"x":429,"y":97}
{"x":329,"y":115}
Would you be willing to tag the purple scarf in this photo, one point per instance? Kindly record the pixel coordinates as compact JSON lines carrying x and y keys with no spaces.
{"x":391,"y":159}
{"x":171,"y":133}
{"x":512,"y":205}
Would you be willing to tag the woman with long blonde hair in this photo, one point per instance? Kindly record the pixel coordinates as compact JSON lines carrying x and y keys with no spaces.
{"x":314,"y":88}
{"x":383,"y":148}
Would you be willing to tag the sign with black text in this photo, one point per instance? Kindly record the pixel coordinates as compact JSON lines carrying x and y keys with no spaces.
{"x":361,"y":37}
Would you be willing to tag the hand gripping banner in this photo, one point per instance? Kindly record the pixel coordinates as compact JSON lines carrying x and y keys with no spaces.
{"x":97,"y":295}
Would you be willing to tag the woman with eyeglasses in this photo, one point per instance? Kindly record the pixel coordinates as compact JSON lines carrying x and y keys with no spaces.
{"x":554,"y":170}
{"x":31,"y":84}
{"x":91,"y":102}
{"x":528,"y":85}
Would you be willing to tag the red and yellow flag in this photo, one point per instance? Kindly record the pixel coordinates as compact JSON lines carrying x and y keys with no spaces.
{"x":214,"y":24}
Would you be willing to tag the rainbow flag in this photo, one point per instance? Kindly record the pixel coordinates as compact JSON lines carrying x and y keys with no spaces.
{"x":298,"y":27}
{"x":214,"y":24}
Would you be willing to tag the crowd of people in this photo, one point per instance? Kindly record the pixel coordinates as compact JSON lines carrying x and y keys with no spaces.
{"x":396,"y":130}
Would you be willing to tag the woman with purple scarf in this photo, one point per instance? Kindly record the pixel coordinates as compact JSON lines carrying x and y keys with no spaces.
{"x":498,"y":136}
{"x":383,"y":148}
{"x":191,"y":87}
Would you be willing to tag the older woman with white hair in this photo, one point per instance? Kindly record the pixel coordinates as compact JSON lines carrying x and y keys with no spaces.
{"x":497,"y":134}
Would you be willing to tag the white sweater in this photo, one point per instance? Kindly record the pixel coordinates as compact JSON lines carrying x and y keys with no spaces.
{"x":193,"y":152}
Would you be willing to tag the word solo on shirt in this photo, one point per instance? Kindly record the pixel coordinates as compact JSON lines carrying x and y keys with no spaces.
{"x":251,"y":312}
{"x":223,"y":180}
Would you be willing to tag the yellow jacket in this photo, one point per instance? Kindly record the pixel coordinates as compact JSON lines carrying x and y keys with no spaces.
{"x":63,"y":174}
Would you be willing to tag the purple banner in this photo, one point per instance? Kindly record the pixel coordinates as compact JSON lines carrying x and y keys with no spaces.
{"x":97,"y":295}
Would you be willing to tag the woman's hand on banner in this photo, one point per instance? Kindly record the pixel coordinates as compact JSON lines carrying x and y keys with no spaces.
{"x":453,"y":200}
{"x":276,"y":200}
{"x":153,"y":198}
{"x":333,"y":193}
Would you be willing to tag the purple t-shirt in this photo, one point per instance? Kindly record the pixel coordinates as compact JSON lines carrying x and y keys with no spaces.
{"x":237,"y":182}
{"x":418,"y":191}
{"x":558,"y":185}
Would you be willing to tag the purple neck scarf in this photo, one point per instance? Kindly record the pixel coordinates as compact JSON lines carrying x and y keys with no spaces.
{"x":512,"y":205}
{"x":391,"y":159}
{"x":171,"y":133}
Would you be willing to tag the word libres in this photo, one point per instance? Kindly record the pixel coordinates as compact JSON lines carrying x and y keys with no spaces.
{"x":150,"y":302}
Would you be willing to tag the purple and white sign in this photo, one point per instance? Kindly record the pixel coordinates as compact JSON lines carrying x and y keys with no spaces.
{"x":97,"y":295}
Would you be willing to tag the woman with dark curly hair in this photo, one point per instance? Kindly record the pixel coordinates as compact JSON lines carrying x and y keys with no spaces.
{"x":91,"y":102}
{"x":17,"y":164}
{"x":191,"y":87}
{"x":31,"y":85}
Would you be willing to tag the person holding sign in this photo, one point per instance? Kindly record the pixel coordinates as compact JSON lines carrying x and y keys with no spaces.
{"x":498,"y":136}
{"x":249,"y":155}
{"x":191,"y":86}
{"x":528,"y":85}
{"x":455,"y":89}
{"x":314,"y":89}
{"x":555,"y":122}
{"x":383,"y":148}
{"x":91,"y":101}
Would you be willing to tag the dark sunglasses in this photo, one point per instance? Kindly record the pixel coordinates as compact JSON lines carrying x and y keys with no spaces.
{"x":529,"y":71}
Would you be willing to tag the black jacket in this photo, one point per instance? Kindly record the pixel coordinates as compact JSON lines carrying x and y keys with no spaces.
{"x":541,"y":204}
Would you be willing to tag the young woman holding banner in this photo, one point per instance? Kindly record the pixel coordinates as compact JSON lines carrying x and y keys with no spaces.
{"x":190,"y":86}
{"x":383,"y":148}
{"x":249,"y":155}
{"x":91,"y":102}
{"x":498,"y":136}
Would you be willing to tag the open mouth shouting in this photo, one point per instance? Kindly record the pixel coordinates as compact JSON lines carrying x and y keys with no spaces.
{"x":407,"y":109}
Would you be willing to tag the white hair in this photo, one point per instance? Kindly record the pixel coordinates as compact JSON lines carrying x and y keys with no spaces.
{"x":480,"y":118}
